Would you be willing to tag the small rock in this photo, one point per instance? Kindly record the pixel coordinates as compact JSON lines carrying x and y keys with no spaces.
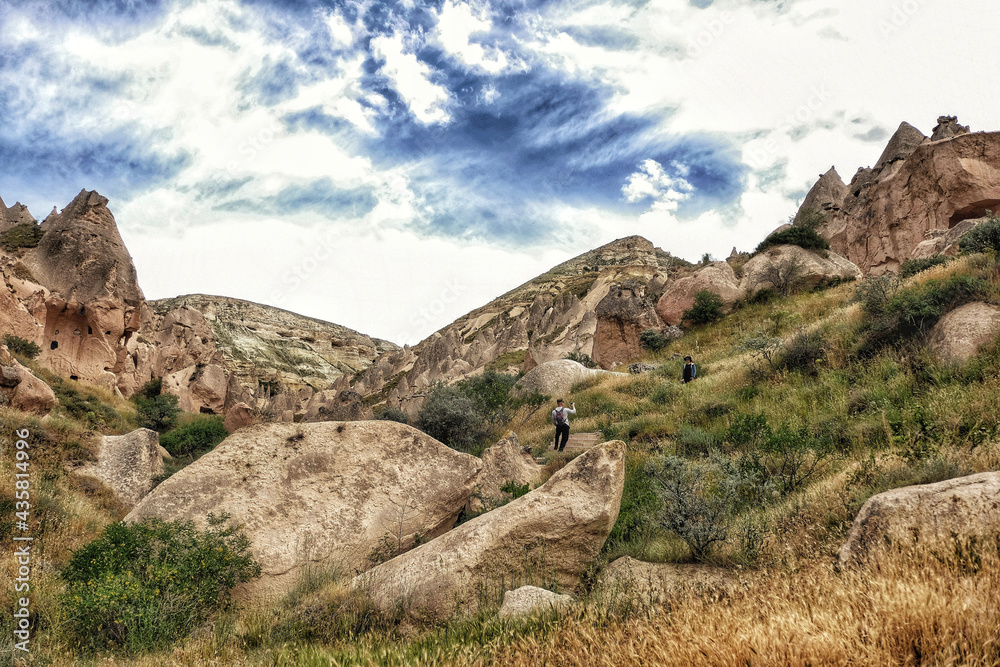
{"x":529,"y":599}
{"x":641,"y":367}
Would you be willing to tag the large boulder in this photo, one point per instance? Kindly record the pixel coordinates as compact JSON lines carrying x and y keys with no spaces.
{"x":552,"y":535}
{"x":785,"y":266}
{"x":504,"y":462}
{"x":959,"y":334}
{"x":322,"y":494}
{"x":557,"y":377}
{"x":238,"y":416}
{"x":717,"y":277}
{"x":945,"y":241}
{"x":924,"y":516}
{"x":200,"y":388}
{"x":650,"y":584}
{"x":127,"y":464}
{"x":21,"y":389}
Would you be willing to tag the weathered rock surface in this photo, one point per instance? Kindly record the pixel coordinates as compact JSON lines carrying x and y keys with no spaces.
{"x":944,"y":241}
{"x":557,"y":377}
{"x":531,"y":599}
{"x":650,"y":584}
{"x":554,"y":533}
{"x":21,"y":389}
{"x":323,"y":493}
{"x":623,"y":314}
{"x":918,"y":185}
{"x":783,"y":266}
{"x":506,"y":461}
{"x":127,"y":464}
{"x":238,"y":416}
{"x":200,"y":388}
{"x":958,"y":335}
{"x":825,"y":197}
{"x":17,"y":214}
{"x":924,"y":516}
{"x":717,"y":277}
{"x":542,"y":320}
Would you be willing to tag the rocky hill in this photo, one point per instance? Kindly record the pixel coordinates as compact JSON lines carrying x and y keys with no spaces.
{"x":920,"y":189}
{"x":595,"y":304}
{"x":70,"y":287}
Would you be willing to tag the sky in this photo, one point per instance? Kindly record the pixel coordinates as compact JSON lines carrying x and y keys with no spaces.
{"x":390,"y":166}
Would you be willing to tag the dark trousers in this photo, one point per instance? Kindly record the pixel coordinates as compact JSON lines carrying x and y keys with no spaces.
{"x":561,"y":430}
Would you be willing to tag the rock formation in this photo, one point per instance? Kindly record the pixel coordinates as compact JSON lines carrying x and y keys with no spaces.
{"x":918,"y":185}
{"x":960,"y":333}
{"x":924,"y":516}
{"x":552,"y":534}
{"x":530,"y":600}
{"x":557,"y":377}
{"x":504,"y":462}
{"x":326,"y":493}
{"x":623,"y":314}
{"x":127,"y":464}
{"x":784,"y":267}
{"x":20,"y":389}
{"x":717,"y":277}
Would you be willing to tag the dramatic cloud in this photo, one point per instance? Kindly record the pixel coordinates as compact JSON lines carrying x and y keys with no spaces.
{"x":410,"y":148}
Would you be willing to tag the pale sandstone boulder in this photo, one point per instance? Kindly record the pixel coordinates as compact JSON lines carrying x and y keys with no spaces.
{"x":551,"y":534}
{"x":717,"y":277}
{"x":556,"y":377}
{"x":199,"y":388}
{"x":322,"y":494}
{"x":127,"y":464}
{"x":650,"y":584}
{"x":782,"y":266}
{"x":531,"y":599}
{"x":958,"y":335}
{"x":21,"y":389}
{"x":506,"y":461}
{"x":238,"y":416}
{"x":924,"y":516}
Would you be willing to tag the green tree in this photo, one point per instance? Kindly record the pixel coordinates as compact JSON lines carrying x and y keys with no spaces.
{"x":707,"y":308}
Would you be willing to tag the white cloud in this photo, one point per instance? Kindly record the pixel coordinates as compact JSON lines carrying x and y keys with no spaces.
{"x":411,"y":78}
{"x":457,"y":23}
{"x":652,"y":182}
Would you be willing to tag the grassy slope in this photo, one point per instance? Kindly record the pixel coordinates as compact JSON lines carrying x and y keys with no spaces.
{"x":895,"y":417}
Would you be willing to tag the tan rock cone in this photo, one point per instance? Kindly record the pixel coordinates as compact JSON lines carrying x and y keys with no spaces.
{"x":322,"y":494}
{"x":924,"y":516}
{"x":549,"y":536}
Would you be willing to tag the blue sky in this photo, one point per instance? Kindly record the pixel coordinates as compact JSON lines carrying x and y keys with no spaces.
{"x":392,"y":165}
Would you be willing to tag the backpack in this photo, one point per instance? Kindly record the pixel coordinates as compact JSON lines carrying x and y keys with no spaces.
{"x":558,"y":416}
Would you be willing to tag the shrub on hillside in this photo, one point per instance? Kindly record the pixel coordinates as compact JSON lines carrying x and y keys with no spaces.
{"x":985,"y":237}
{"x":21,"y":346}
{"x":653,"y":340}
{"x":707,"y":308}
{"x":912,"y":267}
{"x":141,"y":586}
{"x":581,"y":358}
{"x":450,"y":416}
{"x":25,"y":235}
{"x":805,"y":352}
{"x":804,"y":237}
{"x":394,"y":415}
{"x":196,"y":437}
{"x":154,"y":409}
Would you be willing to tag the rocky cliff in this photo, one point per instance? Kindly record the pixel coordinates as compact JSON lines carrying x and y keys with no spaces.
{"x":594,"y":304}
{"x":70,"y":286}
{"x":920,"y":188}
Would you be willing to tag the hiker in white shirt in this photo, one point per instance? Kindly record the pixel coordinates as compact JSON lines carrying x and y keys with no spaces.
{"x":560,"y":418}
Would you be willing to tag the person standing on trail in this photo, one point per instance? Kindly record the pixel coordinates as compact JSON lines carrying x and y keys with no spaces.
{"x":690,"y":370}
{"x":560,"y":418}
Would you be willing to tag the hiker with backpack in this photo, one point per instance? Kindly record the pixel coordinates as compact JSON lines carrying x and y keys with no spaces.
{"x":690,"y":370}
{"x":560,"y":418}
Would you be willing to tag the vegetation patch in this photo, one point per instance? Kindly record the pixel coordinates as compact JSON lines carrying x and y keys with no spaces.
{"x":802,"y":236}
{"x":25,"y":235}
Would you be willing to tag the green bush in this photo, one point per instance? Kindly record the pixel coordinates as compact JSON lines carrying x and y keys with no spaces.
{"x":450,"y":416}
{"x":653,"y":340}
{"x":912,"y":267}
{"x":805,"y":352}
{"x":707,"y":308}
{"x":25,"y":235}
{"x":581,"y":358}
{"x":196,"y":437}
{"x":394,"y":415}
{"x":21,"y":346}
{"x":141,"y":586}
{"x":804,"y":237}
{"x":155,"y":410}
{"x":983,"y":238}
